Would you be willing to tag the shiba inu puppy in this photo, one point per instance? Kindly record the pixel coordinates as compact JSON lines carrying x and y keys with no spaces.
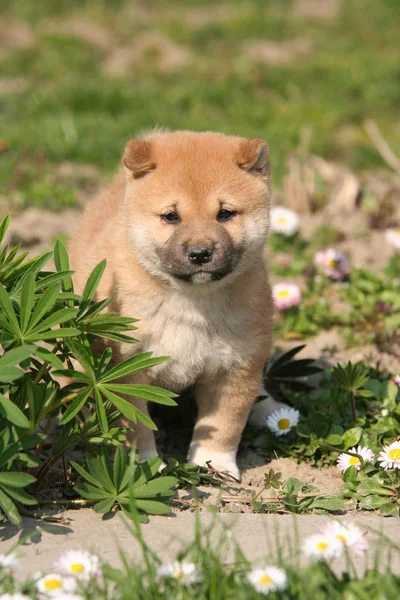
{"x":183,"y":228}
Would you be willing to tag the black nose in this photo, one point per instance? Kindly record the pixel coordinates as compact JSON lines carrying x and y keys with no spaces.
{"x":199,"y":255}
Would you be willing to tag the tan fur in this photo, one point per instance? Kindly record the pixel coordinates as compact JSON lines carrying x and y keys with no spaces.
{"x":217,"y":333}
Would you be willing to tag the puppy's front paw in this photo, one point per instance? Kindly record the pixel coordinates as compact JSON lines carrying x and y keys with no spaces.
{"x":262,"y":409}
{"x":147,"y":454}
{"x":224,"y":462}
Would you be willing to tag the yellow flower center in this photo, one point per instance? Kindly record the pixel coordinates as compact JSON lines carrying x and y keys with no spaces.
{"x":394,"y":454}
{"x":283,"y":294}
{"x":52,"y":584}
{"x":354,"y":460}
{"x":333,"y":263}
{"x":322,"y":546}
{"x":281,"y":220}
{"x":265,"y":579}
{"x":341,"y":537}
{"x":283,"y":424}
{"x":178,"y":574}
{"x":77,"y":568}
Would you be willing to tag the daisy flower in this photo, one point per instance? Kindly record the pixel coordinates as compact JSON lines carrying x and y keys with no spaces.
{"x":9,"y":561}
{"x":322,"y":547}
{"x":396,"y":380}
{"x":389,"y":457}
{"x":284,"y":221}
{"x":348,"y":534}
{"x":80,"y":563}
{"x":267,"y":579}
{"x":184,"y":572}
{"x":393,"y":237}
{"x":55,"y":584}
{"x":345,"y":460}
{"x":333,"y":263}
{"x":15,"y":596}
{"x":286,"y":295}
{"x":281,"y":421}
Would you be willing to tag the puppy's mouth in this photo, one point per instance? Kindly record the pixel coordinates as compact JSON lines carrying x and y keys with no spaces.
{"x":203,"y":276}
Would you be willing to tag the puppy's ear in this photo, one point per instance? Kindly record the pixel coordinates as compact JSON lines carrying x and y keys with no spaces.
{"x":137,"y":159}
{"x":253,"y":157}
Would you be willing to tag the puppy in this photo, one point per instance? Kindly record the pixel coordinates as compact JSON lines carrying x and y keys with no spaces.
{"x":183,"y":228}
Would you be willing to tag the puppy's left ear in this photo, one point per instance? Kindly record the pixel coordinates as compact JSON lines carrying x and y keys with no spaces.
{"x":253,"y":157}
{"x":137,"y":159}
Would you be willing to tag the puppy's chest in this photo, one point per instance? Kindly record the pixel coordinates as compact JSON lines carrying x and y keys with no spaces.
{"x":197,"y":336}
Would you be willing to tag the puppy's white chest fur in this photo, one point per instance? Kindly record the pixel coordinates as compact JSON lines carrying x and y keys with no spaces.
{"x":198,"y":333}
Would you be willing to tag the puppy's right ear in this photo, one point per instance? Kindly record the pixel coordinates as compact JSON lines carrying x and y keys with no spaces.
{"x":137,"y":159}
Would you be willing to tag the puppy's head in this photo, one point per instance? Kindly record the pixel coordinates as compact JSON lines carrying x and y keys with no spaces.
{"x":197,"y":204}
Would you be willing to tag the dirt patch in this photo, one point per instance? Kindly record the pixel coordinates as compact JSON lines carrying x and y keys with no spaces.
{"x":319,"y":10}
{"x":160,"y":52}
{"x":82,"y":29}
{"x":16,"y":35}
{"x":278,"y":53}
{"x":13,"y":85}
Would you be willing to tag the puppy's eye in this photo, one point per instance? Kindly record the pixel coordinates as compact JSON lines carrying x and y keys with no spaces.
{"x":171,"y":217}
{"x":225,"y":215}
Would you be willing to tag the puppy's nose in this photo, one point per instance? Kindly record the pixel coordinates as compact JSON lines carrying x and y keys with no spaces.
{"x":199,"y":255}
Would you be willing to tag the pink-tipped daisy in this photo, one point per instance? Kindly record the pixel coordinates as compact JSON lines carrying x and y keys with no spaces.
{"x":396,"y":380}
{"x":389,"y":457}
{"x":322,"y":547}
{"x":333,"y":263}
{"x":284,"y":221}
{"x":346,"y":460}
{"x":393,"y":237}
{"x":286,"y":295}
{"x":348,"y":534}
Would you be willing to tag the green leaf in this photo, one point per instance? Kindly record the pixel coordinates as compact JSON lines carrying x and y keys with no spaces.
{"x":48,"y":357}
{"x":154,"y":487}
{"x":56,"y":318}
{"x":27,"y":301}
{"x":75,"y":406}
{"x":62,"y":264}
{"x":101,"y":412}
{"x":145,"y":471}
{"x":372,"y":502}
{"x":104,"y":506}
{"x":83,"y":357}
{"x":90,"y":492}
{"x":8,"y":374}
{"x":371,"y":486}
{"x":16,"y":356}
{"x":8,"y":309}
{"x":120,"y":464}
{"x":63,"y":332}
{"x":85,"y":474}
{"x":44,"y":304}
{"x":127,"y":409}
{"x":10,"y":509}
{"x":328,"y":503}
{"x":92,"y":284}
{"x":351,"y":437}
{"x":133,"y":364}
{"x":389,"y":509}
{"x":16,"y":479}
{"x":4,"y":226}
{"x":153,"y":507}
{"x":20,"y":496}
{"x":12,"y":413}
{"x":148,"y":392}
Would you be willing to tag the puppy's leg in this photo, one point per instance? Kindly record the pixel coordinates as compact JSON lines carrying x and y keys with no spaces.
{"x":263,"y":408}
{"x":224,"y":404}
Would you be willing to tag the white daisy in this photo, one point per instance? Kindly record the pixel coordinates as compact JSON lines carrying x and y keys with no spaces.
{"x":79,"y":563}
{"x":281,"y":421}
{"x":286,"y":295}
{"x":54,"y":584}
{"x":268,"y":579}
{"x":9,"y":561}
{"x":351,"y":536}
{"x":345,"y":460}
{"x":333,"y":263}
{"x":389,"y":457}
{"x":393,"y":237}
{"x":284,"y":220}
{"x":15,"y":596}
{"x":322,"y":547}
{"x":184,"y":572}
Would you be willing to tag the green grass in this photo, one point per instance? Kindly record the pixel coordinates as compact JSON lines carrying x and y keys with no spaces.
{"x":72,"y":110}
